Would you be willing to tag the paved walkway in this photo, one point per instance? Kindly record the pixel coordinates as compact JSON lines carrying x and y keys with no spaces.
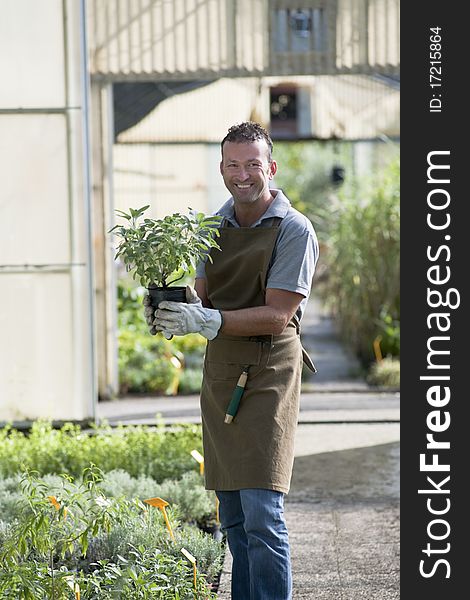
{"x":343,"y":508}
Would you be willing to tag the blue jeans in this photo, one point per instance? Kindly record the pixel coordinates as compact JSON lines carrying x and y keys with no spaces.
{"x":253,"y":520}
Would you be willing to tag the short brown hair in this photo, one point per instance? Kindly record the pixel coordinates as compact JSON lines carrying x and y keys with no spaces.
{"x":248,"y":132}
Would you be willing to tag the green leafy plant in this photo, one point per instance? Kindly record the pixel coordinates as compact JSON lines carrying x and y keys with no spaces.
{"x":147,"y":574}
{"x":49,"y":529}
{"x":154,"y":250}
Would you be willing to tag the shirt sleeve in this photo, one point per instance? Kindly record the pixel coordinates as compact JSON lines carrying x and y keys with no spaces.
{"x":201,"y":268}
{"x":294,"y":260}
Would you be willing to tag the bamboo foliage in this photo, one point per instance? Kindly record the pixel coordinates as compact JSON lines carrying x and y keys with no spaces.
{"x":364,"y":265}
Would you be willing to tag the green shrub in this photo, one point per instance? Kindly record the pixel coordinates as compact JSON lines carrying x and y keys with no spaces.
{"x":147,"y":364}
{"x":209,"y":552}
{"x":385,"y":373}
{"x":123,"y":538}
{"x":188,"y":493}
{"x":193,"y":501}
{"x":118,"y":483}
{"x":389,"y":333}
{"x":129,"y":306}
{"x":139,"y":450}
{"x":142,"y":527}
{"x":11,"y":501}
{"x":35,"y":580}
{"x":150,"y":574}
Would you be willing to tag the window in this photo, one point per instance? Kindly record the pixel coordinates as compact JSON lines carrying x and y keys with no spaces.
{"x":300,"y":30}
{"x":283,"y":108}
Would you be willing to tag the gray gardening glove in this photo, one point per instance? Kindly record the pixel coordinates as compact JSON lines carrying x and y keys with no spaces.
{"x":177,"y":318}
{"x":149,"y":311}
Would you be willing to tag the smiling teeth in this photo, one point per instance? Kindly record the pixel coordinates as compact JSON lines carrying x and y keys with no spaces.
{"x":243,"y":186}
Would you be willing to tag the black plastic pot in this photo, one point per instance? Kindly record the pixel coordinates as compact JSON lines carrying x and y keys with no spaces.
{"x":175,"y":294}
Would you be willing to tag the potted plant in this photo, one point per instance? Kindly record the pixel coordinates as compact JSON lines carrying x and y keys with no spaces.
{"x":155,"y":250}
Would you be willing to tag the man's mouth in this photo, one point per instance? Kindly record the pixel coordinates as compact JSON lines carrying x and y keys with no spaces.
{"x":243,"y":186}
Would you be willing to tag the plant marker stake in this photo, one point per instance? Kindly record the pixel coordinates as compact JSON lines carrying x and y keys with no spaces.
{"x":53,"y":500}
{"x":200,"y":459}
{"x":192,"y":560}
{"x":377,"y":350}
{"x":73,"y":585}
{"x":160,"y":503}
{"x":236,"y":396}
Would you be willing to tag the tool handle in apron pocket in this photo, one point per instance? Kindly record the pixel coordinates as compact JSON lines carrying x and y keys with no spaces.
{"x":236,"y":396}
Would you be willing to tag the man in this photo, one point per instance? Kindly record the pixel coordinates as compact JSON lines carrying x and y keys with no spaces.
{"x":248,"y":305}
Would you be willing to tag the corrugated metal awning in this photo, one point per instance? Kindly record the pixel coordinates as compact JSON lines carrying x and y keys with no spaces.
{"x":343,"y":107}
{"x":135,"y":100}
{"x":207,"y":39}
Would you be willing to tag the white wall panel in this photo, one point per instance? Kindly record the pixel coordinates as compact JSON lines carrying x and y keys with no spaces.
{"x":35,"y":357}
{"x":32,"y":61}
{"x":34,"y":201}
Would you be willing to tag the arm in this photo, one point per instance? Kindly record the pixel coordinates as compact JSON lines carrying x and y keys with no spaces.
{"x":201,"y":290}
{"x":261,"y":320}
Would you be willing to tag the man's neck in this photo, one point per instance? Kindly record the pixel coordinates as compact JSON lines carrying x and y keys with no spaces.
{"x":246,"y":215}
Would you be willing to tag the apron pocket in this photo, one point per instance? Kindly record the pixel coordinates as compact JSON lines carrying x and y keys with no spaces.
{"x":225,"y":359}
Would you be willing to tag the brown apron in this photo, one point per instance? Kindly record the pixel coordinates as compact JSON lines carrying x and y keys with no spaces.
{"x":256,"y":450}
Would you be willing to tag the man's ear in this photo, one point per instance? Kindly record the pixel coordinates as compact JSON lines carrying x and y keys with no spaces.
{"x":272,"y":169}
{"x":221,"y":167}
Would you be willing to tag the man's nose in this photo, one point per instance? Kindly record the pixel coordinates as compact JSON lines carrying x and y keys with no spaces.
{"x":242,"y":174}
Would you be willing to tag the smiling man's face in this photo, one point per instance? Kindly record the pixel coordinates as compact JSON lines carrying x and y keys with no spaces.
{"x":247,"y":170}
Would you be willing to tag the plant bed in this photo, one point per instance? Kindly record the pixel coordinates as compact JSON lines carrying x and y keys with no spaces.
{"x":97,"y":533}
{"x":157,"y":452}
{"x":70,"y":537}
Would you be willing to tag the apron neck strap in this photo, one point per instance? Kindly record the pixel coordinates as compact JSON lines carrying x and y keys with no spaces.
{"x":273,"y":222}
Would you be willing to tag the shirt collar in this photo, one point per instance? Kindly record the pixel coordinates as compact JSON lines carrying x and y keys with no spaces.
{"x":278,"y":208}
